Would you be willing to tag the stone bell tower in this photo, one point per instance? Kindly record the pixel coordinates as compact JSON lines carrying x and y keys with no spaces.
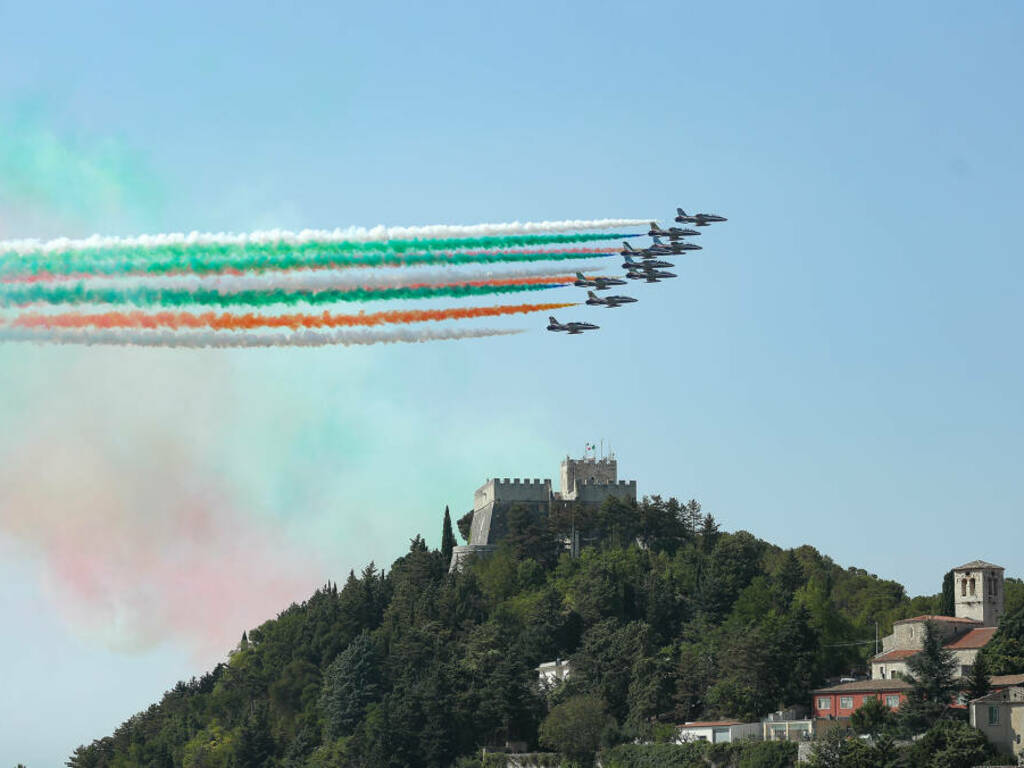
{"x":978,"y":592}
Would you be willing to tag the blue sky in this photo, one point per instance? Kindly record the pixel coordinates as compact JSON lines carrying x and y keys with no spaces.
{"x":840,"y":366}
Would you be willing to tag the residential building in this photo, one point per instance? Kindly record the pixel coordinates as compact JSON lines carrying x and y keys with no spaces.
{"x":551,"y":673}
{"x":791,"y":724}
{"x":1000,"y":716}
{"x":840,"y":701}
{"x":718,"y":731}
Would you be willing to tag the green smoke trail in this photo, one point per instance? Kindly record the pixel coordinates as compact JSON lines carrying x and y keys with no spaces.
{"x":211,"y":257}
{"x":149,"y":297}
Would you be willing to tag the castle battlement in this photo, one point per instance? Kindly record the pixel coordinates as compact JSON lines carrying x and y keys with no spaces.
{"x":589,"y":481}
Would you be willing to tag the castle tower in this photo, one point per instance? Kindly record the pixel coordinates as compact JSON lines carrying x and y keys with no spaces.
{"x":582,"y":471}
{"x":978,"y":592}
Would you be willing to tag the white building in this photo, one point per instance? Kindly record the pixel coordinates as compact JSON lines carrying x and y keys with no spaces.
{"x":551,"y":673}
{"x":718,"y":731}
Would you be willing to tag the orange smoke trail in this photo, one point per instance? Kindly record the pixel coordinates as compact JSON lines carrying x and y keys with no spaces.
{"x":234,"y":322}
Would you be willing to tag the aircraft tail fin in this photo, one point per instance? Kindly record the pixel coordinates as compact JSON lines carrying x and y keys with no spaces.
{"x":551,"y":319}
{"x":627,"y":246}
{"x":579,"y":276}
{"x":591,"y":294}
{"x":654,"y":225}
{"x":680,"y":211}
{"x":656,"y":240}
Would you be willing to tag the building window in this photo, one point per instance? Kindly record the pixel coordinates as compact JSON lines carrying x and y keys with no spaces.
{"x":993,"y":715}
{"x":824,"y":702}
{"x":973,"y":591}
{"x":892,"y":701}
{"x":846,"y":702}
{"x":963,"y":588}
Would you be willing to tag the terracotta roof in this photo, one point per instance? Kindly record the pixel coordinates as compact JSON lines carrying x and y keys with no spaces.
{"x":894,"y":655}
{"x":975,"y":565}
{"x":956,"y":619}
{"x":976,"y":638}
{"x":867,"y":686}
{"x":710,"y":723}
{"x":1000,"y":680}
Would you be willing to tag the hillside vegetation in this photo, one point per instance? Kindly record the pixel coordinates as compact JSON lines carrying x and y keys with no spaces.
{"x":665,"y":619}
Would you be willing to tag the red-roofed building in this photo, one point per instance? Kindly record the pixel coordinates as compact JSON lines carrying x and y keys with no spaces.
{"x":840,"y":701}
{"x":978,"y":602}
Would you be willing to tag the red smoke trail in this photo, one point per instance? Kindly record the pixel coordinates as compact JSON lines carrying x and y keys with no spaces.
{"x":233,"y":322}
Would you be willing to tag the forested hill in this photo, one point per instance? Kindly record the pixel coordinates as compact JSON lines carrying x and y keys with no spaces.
{"x":666,"y":619}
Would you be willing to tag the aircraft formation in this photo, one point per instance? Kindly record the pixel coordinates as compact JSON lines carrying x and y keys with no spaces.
{"x":641,"y":264}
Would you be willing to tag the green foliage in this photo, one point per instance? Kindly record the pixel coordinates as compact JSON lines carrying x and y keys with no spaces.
{"x":743,"y":754}
{"x":665,"y":618}
{"x":932,"y":673}
{"x":1004,"y":654}
{"x":947,"y":607}
{"x":447,"y":537}
{"x":951,"y":744}
{"x":465,"y":525}
{"x":872,"y":718}
{"x":351,"y":683}
{"x":575,"y":727}
{"x":836,"y":749}
{"x":978,"y":681}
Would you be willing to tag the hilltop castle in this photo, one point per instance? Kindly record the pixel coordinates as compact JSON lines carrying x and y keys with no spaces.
{"x":587,"y":481}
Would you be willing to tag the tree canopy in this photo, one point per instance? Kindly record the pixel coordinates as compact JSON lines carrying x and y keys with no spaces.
{"x":664,"y":617}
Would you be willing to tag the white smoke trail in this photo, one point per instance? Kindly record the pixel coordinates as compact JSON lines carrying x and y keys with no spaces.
{"x":350,"y":234}
{"x":225,"y":340}
{"x":339,"y":279}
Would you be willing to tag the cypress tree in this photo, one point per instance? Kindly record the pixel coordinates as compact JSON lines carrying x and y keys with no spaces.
{"x":447,"y":537}
{"x":947,"y":606}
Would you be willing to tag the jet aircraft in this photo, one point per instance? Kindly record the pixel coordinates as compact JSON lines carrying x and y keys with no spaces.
{"x":608,"y":301}
{"x":700,"y":219}
{"x":672,"y":233}
{"x":643,"y":253}
{"x":572,"y":328}
{"x":650,"y":275}
{"x":645,"y":264}
{"x":675,"y":246}
{"x":600,"y":283}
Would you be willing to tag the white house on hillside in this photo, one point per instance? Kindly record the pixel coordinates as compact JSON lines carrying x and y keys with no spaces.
{"x":718,"y":731}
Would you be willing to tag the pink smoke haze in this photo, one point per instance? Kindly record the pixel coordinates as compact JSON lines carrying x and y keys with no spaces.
{"x":148,"y":553}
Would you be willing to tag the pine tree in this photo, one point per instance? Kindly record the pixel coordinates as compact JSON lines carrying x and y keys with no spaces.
{"x":447,"y":537}
{"x":932,"y":673}
{"x":978,"y":683}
